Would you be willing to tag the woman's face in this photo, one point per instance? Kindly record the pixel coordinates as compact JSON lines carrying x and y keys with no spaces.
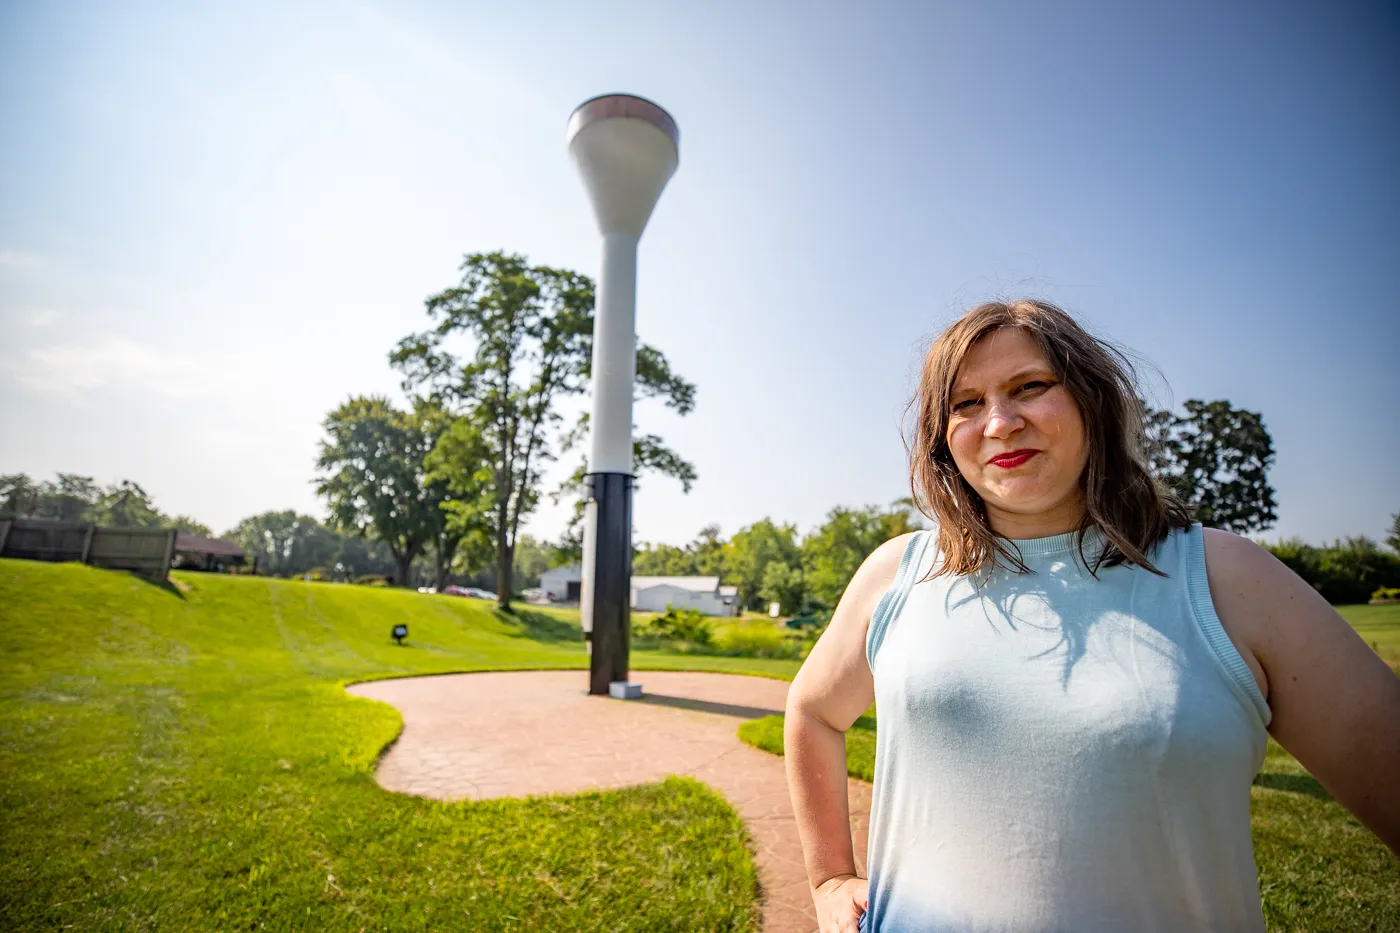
{"x":1017,"y":437}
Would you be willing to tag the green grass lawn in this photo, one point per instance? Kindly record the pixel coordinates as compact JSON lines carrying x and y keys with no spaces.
{"x":185,"y":758}
{"x":1319,"y":869}
{"x":1380,"y":626}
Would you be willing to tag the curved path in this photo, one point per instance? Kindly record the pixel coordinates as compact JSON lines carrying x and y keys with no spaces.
{"x":514,"y":734}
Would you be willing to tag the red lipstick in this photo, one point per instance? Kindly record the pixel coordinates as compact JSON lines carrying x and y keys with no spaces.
{"x":1012,"y":459}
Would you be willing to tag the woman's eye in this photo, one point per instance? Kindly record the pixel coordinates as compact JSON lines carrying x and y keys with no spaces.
{"x":965,"y":403}
{"x":1035,"y":385}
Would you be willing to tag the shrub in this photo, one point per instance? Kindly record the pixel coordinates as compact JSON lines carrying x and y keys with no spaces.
{"x":758,"y":640}
{"x":674,"y":624}
{"x":373,"y":579}
{"x":1387,"y":592}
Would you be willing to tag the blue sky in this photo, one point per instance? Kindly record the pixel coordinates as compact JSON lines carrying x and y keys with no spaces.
{"x":215,"y":221}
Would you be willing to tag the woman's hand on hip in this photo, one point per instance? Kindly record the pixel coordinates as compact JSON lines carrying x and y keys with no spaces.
{"x":840,"y":901}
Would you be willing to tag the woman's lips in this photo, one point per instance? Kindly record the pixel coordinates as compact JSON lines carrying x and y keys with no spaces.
{"x":1015,"y":458}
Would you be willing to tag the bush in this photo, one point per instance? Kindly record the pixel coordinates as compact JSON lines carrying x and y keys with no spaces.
{"x":1387,"y":592}
{"x":758,"y":640}
{"x":373,"y":579}
{"x":674,"y":624}
{"x":688,"y":632}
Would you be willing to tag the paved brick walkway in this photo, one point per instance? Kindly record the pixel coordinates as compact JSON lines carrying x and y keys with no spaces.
{"x":513,"y":734}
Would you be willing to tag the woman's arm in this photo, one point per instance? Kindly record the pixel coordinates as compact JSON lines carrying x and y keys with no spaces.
{"x":1336,"y":706}
{"x":829,"y":693}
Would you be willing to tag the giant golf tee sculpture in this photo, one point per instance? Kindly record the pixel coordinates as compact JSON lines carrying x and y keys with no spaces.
{"x":626,"y":149}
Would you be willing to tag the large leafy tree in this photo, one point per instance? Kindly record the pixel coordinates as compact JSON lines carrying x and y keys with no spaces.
{"x":833,"y":552}
{"x":530,"y":333}
{"x":375,"y":481}
{"x":1216,"y":458}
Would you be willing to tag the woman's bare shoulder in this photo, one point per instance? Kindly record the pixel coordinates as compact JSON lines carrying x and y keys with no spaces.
{"x":877,"y":573}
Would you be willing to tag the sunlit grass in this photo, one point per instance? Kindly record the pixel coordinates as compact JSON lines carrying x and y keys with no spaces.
{"x":185,"y":758}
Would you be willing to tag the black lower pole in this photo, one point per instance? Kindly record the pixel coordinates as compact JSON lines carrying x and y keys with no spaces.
{"x":611,"y":586}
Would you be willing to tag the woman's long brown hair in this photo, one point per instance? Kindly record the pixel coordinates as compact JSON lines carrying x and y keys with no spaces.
{"x":1132,"y":510}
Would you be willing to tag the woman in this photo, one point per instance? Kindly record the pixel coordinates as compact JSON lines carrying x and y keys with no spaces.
{"x":1074,"y":682}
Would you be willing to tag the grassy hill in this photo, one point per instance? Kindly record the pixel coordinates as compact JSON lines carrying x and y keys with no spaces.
{"x":184,"y":758}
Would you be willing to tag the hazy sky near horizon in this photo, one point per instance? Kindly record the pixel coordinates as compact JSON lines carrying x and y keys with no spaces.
{"x":216,"y":220}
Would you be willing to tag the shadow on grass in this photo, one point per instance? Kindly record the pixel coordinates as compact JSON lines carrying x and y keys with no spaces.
{"x":538,"y":626}
{"x":706,"y":706}
{"x":166,"y":585}
{"x":1293,"y":784}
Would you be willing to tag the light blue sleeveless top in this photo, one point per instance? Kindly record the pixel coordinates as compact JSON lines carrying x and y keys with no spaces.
{"x":1061,"y":753}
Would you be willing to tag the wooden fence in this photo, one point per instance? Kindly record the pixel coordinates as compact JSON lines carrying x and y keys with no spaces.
{"x":146,"y":551}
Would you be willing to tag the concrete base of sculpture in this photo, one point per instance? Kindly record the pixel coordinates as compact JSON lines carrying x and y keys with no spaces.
{"x":625,"y":690}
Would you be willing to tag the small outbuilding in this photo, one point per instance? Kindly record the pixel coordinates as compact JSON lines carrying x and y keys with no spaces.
{"x":650,"y":594}
{"x":193,"y":552}
{"x":563,"y":584}
{"x":654,"y":594}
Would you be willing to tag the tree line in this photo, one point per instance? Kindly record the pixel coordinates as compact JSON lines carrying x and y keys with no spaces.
{"x":771,"y":563}
{"x":1350,"y":570}
{"x":73,"y":498}
{"x":768,"y":561}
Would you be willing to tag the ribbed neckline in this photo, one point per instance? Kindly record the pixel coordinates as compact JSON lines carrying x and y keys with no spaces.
{"x":1058,"y":544}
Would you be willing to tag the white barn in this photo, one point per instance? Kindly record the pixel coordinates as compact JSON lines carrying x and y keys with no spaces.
{"x":650,"y":594}
{"x":654,"y":594}
{"x":562,"y":584}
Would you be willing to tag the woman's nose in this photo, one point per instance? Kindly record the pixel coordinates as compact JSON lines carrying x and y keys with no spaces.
{"x":1002,"y":420}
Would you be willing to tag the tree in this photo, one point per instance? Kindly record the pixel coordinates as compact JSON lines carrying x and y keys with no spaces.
{"x":1393,"y":539}
{"x":357,"y":557}
{"x":126,"y":505}
{"x":750,"y":552}
{"x":75,"y":498}
{"x":532,"y":331}
{"x":1217,"y":459}
{"x":706,"y":556}
{"x":663,"y":560}
{"x":1345,"y":571}
{"x":1353,"y":568}
{"x":188,"y":526}
{"x":284,"y":544}
{"x":453,"y":522}
{"x":531,"y":560}
{"x":375,"y":481}
{"x":18,"y":494}
{"x":783,"y":584}
{"x":833,"y":552}
{"x":72,"y":498}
